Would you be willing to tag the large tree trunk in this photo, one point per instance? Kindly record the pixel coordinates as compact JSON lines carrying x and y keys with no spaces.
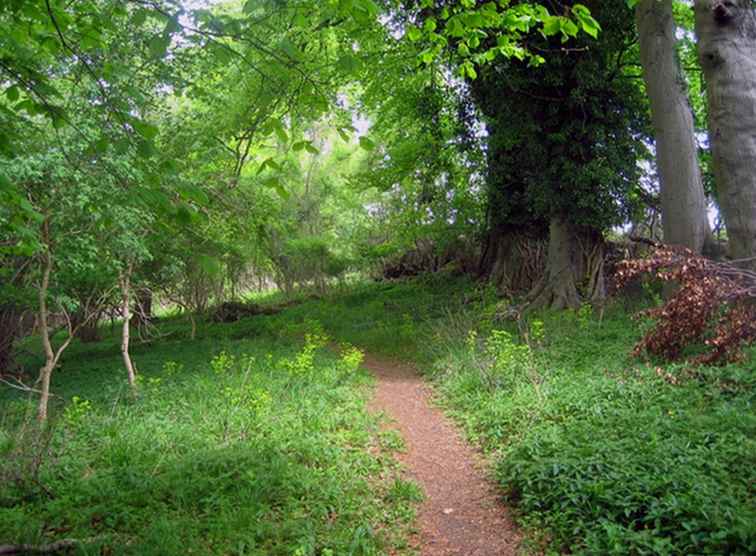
{"x":726,"y":32}
{"x":683,"y":202}
{"x":513,"y":262}
{"x":558,"y":288}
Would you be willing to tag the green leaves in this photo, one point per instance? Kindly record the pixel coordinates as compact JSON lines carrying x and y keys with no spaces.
{"x":467,"y":24}
{"x":11,"y":93}
{"x":467,"y":69}
{"x":158,"y":45}
{"x":348,"y":63}
{"x":414,"y":34}
{"x":280,"y":132}
{"x":366,"y":143}
{"x":305,"y":145}
{"x":275,"y":183}
{"x":194,"y":193}
{"x":587,"y":23}
{"x":268,"y":163}
{"x":147,"y":130}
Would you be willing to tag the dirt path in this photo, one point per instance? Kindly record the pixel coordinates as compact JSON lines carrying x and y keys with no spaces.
{"x":461,"y":514}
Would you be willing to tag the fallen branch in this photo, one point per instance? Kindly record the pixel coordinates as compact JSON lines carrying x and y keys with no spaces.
{"x":714,"y":303}
{"x":23,"y":387}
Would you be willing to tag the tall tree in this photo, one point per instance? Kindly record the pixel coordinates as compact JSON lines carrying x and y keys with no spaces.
{"x":683,"y":203}
{"x":562,"y":148}
{"x":726,"y":32}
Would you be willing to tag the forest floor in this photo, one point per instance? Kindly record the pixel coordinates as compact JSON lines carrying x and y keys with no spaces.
{"x":255,"y":439}
{"x":461,"y":514}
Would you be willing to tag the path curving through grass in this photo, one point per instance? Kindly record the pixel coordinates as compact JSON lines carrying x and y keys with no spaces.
{"x":461,"y":514}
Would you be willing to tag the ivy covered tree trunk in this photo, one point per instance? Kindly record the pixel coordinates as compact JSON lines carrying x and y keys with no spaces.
{"x":683,"y":202}
{"x":726,"y":32}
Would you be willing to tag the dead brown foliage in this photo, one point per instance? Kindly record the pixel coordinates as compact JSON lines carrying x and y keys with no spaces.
{"x":713,"y":303}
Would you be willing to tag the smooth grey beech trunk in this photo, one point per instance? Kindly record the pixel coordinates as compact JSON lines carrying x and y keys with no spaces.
{"x":683,"y":202}
{"x":726,"y":32}
{"x":558,"y":288}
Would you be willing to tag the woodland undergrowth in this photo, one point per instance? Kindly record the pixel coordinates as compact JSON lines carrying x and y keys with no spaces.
{"x":598,"y":451}
{"x":253,"y":442}
{"x":249,"y":446}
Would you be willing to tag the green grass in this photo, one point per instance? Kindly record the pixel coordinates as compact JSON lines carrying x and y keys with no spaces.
{"x":245,"y":441}
{"x":600,"y":453}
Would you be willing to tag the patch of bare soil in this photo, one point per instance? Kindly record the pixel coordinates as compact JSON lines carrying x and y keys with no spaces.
{"x":461,"y":514}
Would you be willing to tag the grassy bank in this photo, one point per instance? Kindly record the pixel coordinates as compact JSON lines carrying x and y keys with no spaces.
{"x":249,"y":440}
{"x":599,"y":452}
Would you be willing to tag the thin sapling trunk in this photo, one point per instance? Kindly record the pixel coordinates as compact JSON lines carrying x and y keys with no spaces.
{"x":126,"y":329}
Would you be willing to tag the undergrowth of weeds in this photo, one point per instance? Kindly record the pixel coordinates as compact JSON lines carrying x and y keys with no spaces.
{"x":598,"y":452}
{"x":240,"y":444}
{"x":253,"y":442}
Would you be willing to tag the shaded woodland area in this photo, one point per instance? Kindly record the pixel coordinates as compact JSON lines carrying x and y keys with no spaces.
{"x":212,"y":209}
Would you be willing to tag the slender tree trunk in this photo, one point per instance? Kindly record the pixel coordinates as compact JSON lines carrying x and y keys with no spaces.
{"x":44,"y":331}
{"x":683,"y":202}
{"x":193,"y":322}
{"x":726,"y":32}
{"x":51,"y":356}
{"x":126,"y":310}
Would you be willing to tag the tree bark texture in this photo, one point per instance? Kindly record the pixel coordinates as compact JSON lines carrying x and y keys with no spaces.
{"x":52,"y":356}
{"x":512,"y":261}
{"x":558,"y":288}
{"x":726,"y":32}
{"x":683,"y":203}
{"x":44,"y":331}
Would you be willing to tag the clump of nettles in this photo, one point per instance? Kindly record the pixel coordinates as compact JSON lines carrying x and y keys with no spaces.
{"x":713,"y":303}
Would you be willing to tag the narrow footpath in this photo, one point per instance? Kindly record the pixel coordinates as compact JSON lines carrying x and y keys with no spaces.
{"x":461,"y":514}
